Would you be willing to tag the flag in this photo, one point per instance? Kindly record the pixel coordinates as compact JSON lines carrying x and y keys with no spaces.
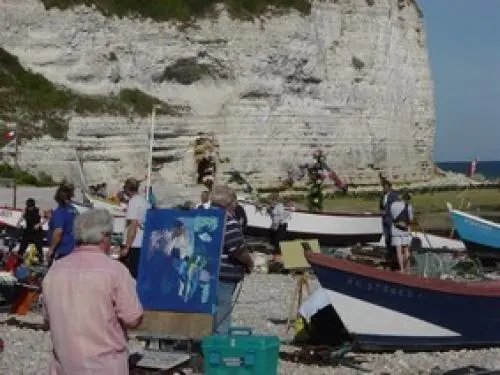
{"x":473,"y":167}
{"x":10,"y":135}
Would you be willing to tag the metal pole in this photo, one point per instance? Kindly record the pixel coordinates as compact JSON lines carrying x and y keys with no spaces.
{"x":14,"y":198}
{"x":150,"y":161}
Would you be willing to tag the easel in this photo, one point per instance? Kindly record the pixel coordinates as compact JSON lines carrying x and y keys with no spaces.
{"x":294,"y":260}
{"x":301,"y":277}
{"x":173,"y":332}
{"x":170,"y":338}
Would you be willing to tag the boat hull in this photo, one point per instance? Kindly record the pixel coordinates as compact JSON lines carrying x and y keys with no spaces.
{"x":481,"y":237}
{"x":331,"y":229}
{"x":384,"y":310}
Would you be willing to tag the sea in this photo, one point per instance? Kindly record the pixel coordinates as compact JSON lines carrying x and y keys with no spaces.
{"x":489,"y":169}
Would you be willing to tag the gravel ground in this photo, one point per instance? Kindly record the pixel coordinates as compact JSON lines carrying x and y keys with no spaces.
{"x":263,"y":304}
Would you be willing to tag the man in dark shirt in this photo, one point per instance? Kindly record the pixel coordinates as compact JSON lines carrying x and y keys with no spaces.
{"x":235,"y":260}
{"x":388,"y":197}
{"x":33,"y":230}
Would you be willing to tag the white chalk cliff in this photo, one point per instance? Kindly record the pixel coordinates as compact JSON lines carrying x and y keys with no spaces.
{"x":351,"y":78}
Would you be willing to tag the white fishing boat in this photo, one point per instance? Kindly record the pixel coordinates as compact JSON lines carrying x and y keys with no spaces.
{"x":330,"y":228}
{"x":115,"y":210}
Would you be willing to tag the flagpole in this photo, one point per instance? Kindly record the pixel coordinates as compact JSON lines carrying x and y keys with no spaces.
{"x":14,"y":198}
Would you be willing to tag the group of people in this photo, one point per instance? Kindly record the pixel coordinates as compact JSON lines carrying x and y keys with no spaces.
{"x":90,"y":299}
{"x":277,"y":211}
{"x":60,"y":226}
{"x":397,"y":218}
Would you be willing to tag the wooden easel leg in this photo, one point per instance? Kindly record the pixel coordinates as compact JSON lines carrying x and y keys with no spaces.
{"x":292,"y":310}
{"x":301,"y":288}
{"x":306,"y":285}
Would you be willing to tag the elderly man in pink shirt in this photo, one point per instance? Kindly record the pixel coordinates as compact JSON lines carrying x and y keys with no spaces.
{"x":89,"y":301}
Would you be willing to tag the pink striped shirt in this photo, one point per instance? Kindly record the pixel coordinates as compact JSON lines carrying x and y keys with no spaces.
{"x":85,"y":296}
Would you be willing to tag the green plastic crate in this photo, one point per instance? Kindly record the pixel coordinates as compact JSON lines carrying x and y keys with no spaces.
{"x":241,"y":353}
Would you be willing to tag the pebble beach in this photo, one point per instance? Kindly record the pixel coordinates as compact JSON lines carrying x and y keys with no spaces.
{"x":263,"y":304}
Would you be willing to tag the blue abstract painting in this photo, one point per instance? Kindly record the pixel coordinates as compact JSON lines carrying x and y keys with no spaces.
{"x":180,"y":258}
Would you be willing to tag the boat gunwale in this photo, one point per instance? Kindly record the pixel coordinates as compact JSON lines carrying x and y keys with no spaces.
{"x":79,"y":204}
{"x":475,"y":218}
{"x":481,"y":288}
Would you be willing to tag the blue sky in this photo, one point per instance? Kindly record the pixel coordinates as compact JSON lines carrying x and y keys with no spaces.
{"x":463,"y":39}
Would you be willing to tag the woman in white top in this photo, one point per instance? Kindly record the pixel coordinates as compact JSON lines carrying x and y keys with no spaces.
{"x":279,"y":221}
{"x":402,"y":217}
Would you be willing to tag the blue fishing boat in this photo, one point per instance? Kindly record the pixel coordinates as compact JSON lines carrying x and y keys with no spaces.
{"x":480,"y":236}
{"x":386,"y":310}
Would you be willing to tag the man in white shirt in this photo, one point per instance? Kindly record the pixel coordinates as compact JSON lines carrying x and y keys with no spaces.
{"x":135,"y":218}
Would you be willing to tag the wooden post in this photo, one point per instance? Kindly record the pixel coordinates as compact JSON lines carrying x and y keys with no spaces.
{"x":302,"y":282}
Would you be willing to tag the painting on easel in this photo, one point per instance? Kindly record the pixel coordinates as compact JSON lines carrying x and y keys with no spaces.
{"x":180,"y":259}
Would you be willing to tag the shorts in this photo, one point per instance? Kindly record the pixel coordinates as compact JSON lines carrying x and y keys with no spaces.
{"x":401,"y":240}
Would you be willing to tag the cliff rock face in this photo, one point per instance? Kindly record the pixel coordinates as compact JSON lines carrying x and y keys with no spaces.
{"x":351,"y":78}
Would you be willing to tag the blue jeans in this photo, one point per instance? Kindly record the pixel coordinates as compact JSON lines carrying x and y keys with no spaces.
{"x":224,"y":306}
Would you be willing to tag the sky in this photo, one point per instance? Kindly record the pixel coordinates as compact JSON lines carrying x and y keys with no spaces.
{"x":463,"y":40}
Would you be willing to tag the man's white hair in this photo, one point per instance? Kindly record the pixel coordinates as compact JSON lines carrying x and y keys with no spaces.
{"x":222,"y":196}
{"x":90,"y":226}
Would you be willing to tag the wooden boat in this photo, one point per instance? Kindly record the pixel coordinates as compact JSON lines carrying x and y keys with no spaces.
{"x":118,"y":214}
{"x":480,"y":236}
{"x":331,"y":229}
{"x":431,"y":241}
{"x":115,"y":209}
{"x":386,"y":310}
{"x":9,"y":217}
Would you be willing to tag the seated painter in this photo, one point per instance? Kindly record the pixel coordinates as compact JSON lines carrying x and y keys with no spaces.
{"x":235,"y":260}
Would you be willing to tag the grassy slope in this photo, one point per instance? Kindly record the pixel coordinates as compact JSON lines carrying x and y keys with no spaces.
{"x":430,"y":208}
{"x":425,"y":202}
{"x":28,"y":98}
{"x":182,"y":10}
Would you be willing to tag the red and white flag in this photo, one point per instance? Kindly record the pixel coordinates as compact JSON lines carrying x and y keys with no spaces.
{"x":10,"y":135}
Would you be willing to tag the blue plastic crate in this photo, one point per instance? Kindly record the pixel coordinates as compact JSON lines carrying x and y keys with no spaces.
{"x":241,"y":353}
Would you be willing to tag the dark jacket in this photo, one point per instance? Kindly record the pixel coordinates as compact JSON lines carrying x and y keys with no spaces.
{"x":392,"y":197}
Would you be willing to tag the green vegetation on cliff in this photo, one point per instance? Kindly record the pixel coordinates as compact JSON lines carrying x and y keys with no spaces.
{"x":40,"y":107}
{"x":182,"y":10}
{"x":24,"y":177}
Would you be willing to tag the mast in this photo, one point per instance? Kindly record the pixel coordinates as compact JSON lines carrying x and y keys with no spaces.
{"x":16,"y":167}
{"x":150,"y":156}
